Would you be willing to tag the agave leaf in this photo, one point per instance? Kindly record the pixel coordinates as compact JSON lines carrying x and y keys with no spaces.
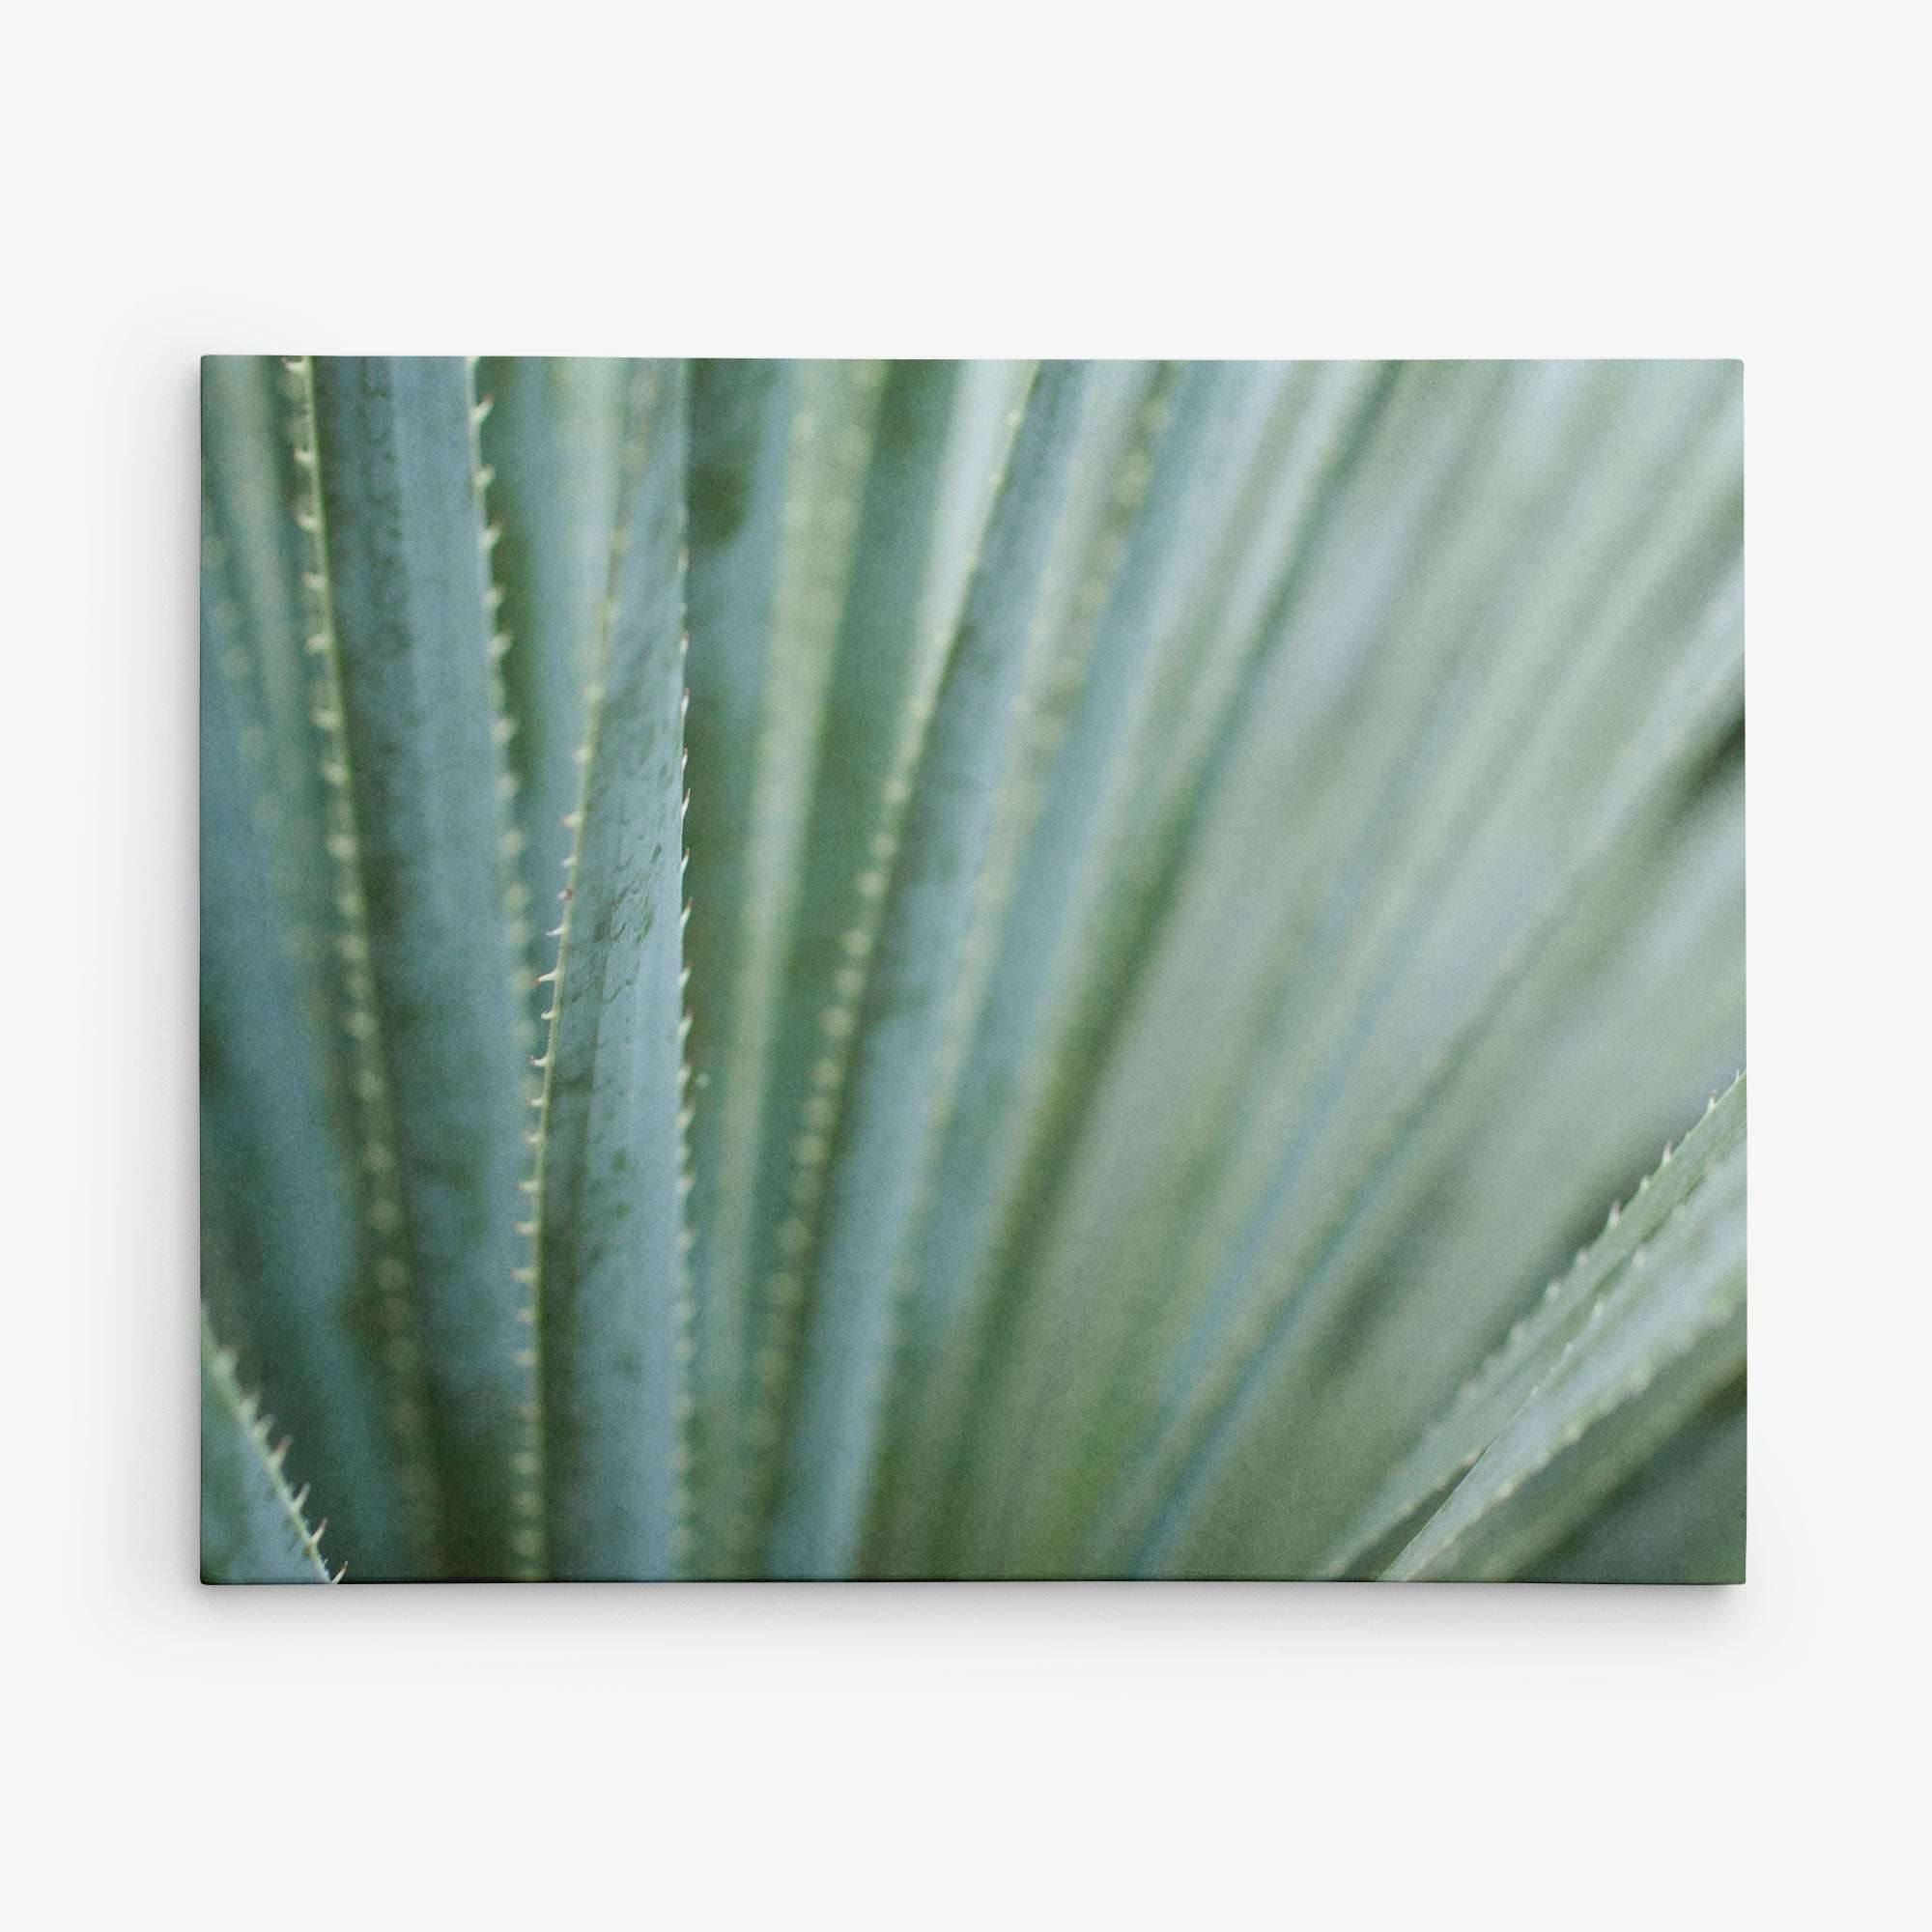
{"x":253,"y":568}
{"x":604,"y":1493}
{"x":414,"y":735}
{"x":1652,"y":952}
{"x":1102,"y":946}
{"x":745,"y":450}
{"x":1372,"y":1050}
{"x":854,"y":520}
{"x":1144,"y":889}
{"x":1680,"y":1519}
{"x":1281,"y":1339}
{"x":1297,"y":462}
{"x":1496,"y":1393}
{"x":922,"y":880}
{"x":850,"y":653}
{"x":1548,"y":790}
{"x":1120,"y":612}
{"x":1657,"y":1343}
{"x":283,"y":1263}
{"x":550,"y":437}
{"x":741,"y":1077}
{"x":252,"y":1525}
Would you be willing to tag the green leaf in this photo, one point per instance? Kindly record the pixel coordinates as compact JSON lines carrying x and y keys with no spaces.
{"x":878,"y":529}
{"x":414,"y":744}
{"x":1120,"y":907}
{"x":743,"y":432}
{"x":1285,"y":1336}
{"x":1345,"y":1082}
{"x":925,"y":865}
{"x":252,"y":570}
{"x":1129,"y":610}
{"x":1680,"y":1519}
{"x":1652,"y":952}
{"x":550,"y":439}
{"x":252,"y":1525}
{"x":1127,"y":406}
{"x":605,"y":1472}
{"x":1496,"y":1394}
{"x":287,"y":1268}
{"x":1661,"y":1332}
{"x":282,"y":1262}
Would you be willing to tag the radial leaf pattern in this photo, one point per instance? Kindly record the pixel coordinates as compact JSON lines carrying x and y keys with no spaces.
{"x":972,"y":969}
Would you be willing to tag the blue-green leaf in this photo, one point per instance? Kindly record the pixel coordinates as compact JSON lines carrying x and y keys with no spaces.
{"x":283,"y":1264}
{"x":414,"y":743}
{"x":1679,"y":1519}
{"x":1498,"y":1392}
{"x":288,"y":1269}
{"x":1327,"y":1167}
{"x":551,"y":438}
{"x":1151,"y":809}
{"x":605,"y":1474}
{"x":1170,"y":497}
{"x":743,"y":432}
{"x":863,"y":531}
{"x":1660,"y":1333}
{"x":252,"y":1525}
{"x":926,"y":865}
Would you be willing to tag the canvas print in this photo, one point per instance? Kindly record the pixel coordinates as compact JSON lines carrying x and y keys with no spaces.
{"x":972,"y":970}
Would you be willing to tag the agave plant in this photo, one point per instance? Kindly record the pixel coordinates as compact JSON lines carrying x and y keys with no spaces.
{"x":972,"y":970}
